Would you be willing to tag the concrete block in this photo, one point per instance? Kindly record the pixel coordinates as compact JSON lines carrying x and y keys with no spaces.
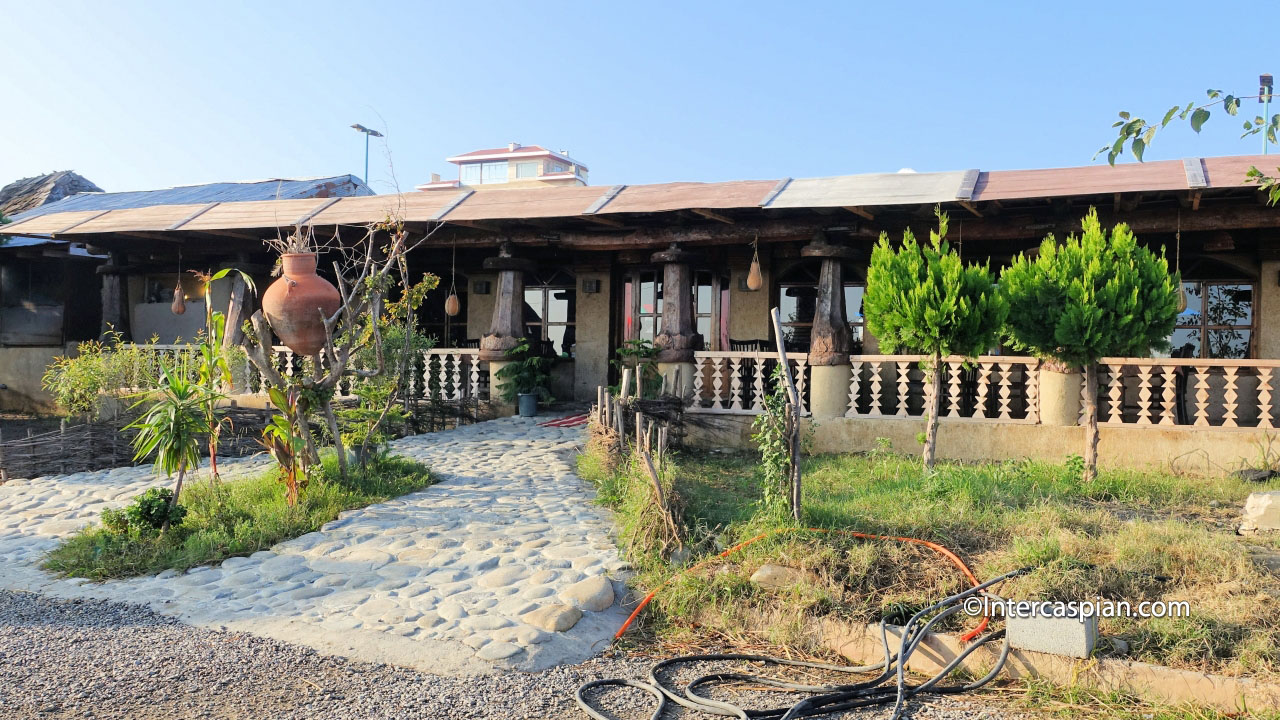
{"x":1070,"y":636}
{"x":1261,"y":512}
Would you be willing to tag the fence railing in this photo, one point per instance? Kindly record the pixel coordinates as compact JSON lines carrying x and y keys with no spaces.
{"x":736,"y":382}
{"x":1131,"y":391}
{"x":444,"y":374}
{"x":996,"y":387}
{"x":1187,"y":391}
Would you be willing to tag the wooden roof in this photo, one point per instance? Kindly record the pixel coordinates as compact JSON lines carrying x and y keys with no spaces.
{"x":604,"y":204}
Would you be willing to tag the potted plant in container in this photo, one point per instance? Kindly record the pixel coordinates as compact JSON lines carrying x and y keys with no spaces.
{"x":299,"y":302}
{"x":524,"y":379}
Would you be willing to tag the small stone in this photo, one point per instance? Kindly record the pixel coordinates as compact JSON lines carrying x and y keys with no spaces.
{"x":501,"y":577}
{"x":498,"y":651}
{"x":1253,"y":475}
{"x":780,"y":577}
{"x":553,"y":618}
{"x":594,"y":593}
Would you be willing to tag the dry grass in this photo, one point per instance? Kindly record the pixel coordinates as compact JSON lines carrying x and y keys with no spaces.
{"x":1128,"y":536}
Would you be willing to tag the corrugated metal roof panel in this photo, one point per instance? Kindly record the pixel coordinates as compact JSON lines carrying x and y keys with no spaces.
{"x":527,"y":203}
{"x":285,"y":189}
{"x":259,"y":214}
{"x":870,"y":189}
{"x":412,"y":206}
{"x":689,"y":195}
{"x":1094,"y":179}
{"x":138,"y":219}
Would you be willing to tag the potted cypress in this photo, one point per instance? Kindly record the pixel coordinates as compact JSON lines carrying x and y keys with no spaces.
{"x":524,"y":378}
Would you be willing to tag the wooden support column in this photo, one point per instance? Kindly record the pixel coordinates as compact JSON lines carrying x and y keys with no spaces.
{"x":115,"y":296}
{"x":679,"y":337}
{"x":507,"y":326}
{"x":830,"y":341}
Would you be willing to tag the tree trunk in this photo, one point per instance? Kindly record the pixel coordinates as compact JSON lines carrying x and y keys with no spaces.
{"x":1090,"y":422}
{"x":793,"y":441}
{"x":173,"y":501}
{"x":931,"y":409}
{"x":338,"y":447}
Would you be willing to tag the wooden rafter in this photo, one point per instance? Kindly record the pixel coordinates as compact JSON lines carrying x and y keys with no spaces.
{"x":610,"y":222}
{"x":860,"y":212}
{"x":970,"y":207}
{"x":476,"y":224}
{"x":712,"y":215}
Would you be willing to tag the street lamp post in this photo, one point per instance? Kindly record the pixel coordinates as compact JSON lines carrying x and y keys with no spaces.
{"x":1264,"y":96}
{"x":367,"y":132}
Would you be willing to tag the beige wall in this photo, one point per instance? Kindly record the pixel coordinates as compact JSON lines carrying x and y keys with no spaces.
{"x":749,"y":311}
{"x":591,"y":356}
{"x":480,"y":307}
{"x":1197,"y":451}
{"x":1268,"y":309}
{"x":21,"y":370}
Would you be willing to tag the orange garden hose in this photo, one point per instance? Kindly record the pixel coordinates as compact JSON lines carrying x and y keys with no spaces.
{"x":955,"y":560}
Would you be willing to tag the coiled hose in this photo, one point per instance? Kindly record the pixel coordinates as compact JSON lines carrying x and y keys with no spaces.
{"x":825,"y":699}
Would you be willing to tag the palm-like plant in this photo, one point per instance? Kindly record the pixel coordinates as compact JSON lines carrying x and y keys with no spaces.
{"x":283,"y":439}
{"x":171,"y":428}
{"x":214,"y":372}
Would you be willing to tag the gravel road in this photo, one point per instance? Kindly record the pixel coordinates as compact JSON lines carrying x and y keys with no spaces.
{"x":93,"y":659}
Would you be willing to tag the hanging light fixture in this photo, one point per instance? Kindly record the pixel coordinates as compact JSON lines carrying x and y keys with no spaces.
{"x":179,"y":305}
{"x":451,"y":304}
{"x":754,"y":279}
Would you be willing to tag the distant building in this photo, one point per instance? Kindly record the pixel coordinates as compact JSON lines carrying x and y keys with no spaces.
{"x":515,"y":165}
{"x":30,"y":193}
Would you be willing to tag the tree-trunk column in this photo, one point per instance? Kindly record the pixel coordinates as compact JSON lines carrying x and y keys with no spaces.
{"x":507,"y":326}
{"x":115,"y":296}
{"x":679,"y":338}
{"x":829,"y":341}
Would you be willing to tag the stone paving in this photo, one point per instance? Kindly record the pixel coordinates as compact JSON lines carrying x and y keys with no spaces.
{"x":506,"y":562}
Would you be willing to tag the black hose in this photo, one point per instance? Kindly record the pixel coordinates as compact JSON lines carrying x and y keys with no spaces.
{"x":826,"y":699}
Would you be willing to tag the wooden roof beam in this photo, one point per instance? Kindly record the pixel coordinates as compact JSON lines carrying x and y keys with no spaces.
{"x":475,"y":225}
{"x":712,"y":215}
{"x":967,"y":205}
{"x":609,"y":222}
{"x":860,"y":212}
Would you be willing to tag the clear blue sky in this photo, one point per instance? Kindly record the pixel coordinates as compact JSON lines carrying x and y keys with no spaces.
{"x":138,"y":95}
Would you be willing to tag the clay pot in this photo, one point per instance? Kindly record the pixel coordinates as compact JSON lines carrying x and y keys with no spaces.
{"x":451,"y":305}
{"x":294,"y":302}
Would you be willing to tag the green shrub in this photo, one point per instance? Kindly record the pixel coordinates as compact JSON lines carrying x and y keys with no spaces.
{"x":153,"y":510}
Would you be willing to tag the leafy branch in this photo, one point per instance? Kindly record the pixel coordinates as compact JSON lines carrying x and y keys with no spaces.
{"x":1136,"y":133}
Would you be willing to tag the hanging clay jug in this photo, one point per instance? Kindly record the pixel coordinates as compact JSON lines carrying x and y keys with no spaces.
{"x":754,"y":281}
{"x":451,"y":305}
{"x":1182,"y":299}
{"x":179,"y":305}
{"x":294,"y":303}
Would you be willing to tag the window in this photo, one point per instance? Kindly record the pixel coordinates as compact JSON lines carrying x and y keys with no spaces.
{"x":550,"y":309}
{"x":711,"y":309}
{"x":642,"y":303}
{"x":24,"y":283}
{"x":471,"y":174}
{"x":557,"y":167}
{"x":1218,"y":321}
{"x":493,"y":172}
{"x":526,"y":170}
{"x":798,"y":302}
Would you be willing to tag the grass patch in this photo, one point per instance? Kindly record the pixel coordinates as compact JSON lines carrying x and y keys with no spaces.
{"x":238,"y":517}
{"x":1129,"y":535}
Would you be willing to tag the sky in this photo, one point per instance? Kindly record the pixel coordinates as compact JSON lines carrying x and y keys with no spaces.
{"x":138,"y":95}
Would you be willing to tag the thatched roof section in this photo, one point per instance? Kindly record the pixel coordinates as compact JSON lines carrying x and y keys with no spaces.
{"x":29,"y":193}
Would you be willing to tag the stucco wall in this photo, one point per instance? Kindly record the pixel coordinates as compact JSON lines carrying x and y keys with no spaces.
{"x":1196,"y":451}
{"x":1268,"y":308}
{"x":749,"y":311}
{"x":591,"y":356}
{"x":21,"y":369}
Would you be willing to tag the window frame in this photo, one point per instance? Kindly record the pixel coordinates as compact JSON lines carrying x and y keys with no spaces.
{"x":531,"y":166}
{"x":502,"y":176}
{"x":858,"y":328}
{"x":558,"y":282}
{"x":1204,"y":326}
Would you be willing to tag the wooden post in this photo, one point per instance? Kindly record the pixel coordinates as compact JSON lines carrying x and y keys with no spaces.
{"x":62,"y":445}
{"x":115,"y":297}
{"x":4,"y":470}
{"x":232,"y":331}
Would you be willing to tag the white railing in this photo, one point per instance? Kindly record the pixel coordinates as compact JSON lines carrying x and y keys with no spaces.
{"x":995,"y":387}
{"x":736,"y":382}
{"x":446,"y":374}
{"x":1186,"y":391}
